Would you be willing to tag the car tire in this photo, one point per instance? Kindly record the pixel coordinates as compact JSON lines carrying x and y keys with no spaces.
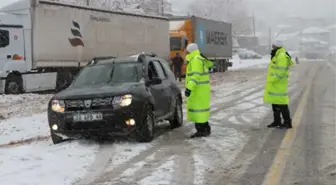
{"x":145,"y":131}
{"x":56,"y":139}
{"x":177,"y":120}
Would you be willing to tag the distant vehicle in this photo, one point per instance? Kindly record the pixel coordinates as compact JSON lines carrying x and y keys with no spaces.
{"x":213,"y":37}
{"x":44,"y":43}
{"x":117,"y":96}
{"x":248,"y":54}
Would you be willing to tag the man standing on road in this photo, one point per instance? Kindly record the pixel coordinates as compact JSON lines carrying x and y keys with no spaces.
{"x":178,"y":62}
{"x":198,"y":90}
{"x":276,"y":88}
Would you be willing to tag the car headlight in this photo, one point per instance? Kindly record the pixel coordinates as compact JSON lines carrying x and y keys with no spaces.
{"x":58,"y":106}
{"x":122,"y":101}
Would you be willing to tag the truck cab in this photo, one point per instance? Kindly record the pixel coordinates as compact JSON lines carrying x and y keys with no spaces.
{"x":180,"y":32}
{"x":12,"y":51}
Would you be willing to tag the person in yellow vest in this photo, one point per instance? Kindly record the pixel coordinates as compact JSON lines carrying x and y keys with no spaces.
{"x":276,"y":88}
{"x":198,"y":90}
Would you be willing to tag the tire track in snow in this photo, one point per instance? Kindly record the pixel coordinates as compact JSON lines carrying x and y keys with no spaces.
{"x":234,"y":172}
{"x":175,"y":137}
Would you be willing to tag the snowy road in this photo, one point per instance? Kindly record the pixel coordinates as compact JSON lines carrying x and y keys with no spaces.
{"x":238,"y":120}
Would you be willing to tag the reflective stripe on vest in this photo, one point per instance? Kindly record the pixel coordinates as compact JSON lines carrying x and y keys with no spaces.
{"x":198,"y":73}
{"x":200,"y":82}
{"x":280,"y":68}
{"x":278,"y":76}
{"x":277,"y":94}
{"x":199,"y":110}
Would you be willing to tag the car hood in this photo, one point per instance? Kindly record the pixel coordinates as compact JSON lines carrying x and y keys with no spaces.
{"x":96,"y":91}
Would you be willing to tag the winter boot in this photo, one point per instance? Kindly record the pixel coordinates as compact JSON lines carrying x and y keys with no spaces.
{"x":273,"y":125}
{"x":200,"y":131}
{"x":276,"y":117}
{"x":286,"y":125}
{"x":207,"y":129}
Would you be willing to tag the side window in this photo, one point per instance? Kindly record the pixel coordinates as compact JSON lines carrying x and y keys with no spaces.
{"x":4,"y":38}
{"x":166,"y":69}
{"x":152,"y":73}
{"x":185,"y":43}
{"x":159,"y":70}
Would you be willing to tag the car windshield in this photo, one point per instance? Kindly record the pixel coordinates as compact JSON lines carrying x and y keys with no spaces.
{"x":109,"y":74}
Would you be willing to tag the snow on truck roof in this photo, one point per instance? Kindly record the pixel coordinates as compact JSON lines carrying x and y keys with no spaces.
{"x":176,"y":25}
{"x":24,"y":4}
{"x":9,"y":19}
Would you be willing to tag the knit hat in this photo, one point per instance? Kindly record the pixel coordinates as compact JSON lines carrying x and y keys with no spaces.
{"x":277,"y":43}
{"x":192,"y":47}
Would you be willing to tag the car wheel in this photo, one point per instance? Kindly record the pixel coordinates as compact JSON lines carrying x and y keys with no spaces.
{"x":177,"y":120}
{"x":145,"y":131}
{"x":56,"y":139}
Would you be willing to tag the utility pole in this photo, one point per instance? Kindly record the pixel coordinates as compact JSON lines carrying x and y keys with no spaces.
{"x":270,"y":38}
{"x":162,"y":7}
{"x":88,"y":2}
{"x":254,"y":27}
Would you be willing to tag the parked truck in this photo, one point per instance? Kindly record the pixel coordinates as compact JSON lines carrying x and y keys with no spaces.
{"x":44,"y":43}
{"x":214,"y":39}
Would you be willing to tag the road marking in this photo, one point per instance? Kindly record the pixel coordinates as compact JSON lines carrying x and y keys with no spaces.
{"x":275,"y":172}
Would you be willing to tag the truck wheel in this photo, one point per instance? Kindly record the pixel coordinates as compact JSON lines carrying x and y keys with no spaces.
{"x":14,"y":84}
{"x":56,"y":139}
{"x":64,"y":79}
{"x":145,"y":131}
{"x":177,"y":120}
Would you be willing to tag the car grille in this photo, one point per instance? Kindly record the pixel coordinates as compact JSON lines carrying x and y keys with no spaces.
{"x":84,"y":104}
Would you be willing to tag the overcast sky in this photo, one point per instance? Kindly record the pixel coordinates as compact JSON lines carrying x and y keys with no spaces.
{"x":304,"y":8}
{"x":6,"y":2}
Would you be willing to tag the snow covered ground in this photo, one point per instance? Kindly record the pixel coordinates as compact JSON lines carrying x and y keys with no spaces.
{"x":240,"y":64}
{"x":29,"y":157}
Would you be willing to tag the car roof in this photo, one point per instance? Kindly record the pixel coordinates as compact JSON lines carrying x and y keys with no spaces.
{"x":130,"y":59}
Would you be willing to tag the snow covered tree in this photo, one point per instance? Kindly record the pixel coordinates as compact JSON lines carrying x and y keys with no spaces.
{"x":233,"y":11}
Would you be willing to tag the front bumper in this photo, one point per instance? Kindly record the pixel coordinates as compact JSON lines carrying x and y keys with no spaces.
{"x":113,"y":123}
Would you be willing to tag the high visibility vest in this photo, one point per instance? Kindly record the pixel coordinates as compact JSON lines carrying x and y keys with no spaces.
{"x":276,"y":88}
{"x":198,"y":82}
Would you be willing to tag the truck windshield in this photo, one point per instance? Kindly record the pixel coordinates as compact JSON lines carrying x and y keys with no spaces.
{"x":175,"y":43}
{"x":109,"y":74}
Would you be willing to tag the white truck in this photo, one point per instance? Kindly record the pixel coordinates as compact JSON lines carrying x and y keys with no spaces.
{"x":43,"y":43}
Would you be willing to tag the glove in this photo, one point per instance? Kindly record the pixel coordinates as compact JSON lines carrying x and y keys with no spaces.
{"x":187,"y":92}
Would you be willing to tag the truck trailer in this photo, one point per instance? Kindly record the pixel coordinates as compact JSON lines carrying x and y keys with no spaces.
{"x":214,"y":39}
{"x":43,"y":43}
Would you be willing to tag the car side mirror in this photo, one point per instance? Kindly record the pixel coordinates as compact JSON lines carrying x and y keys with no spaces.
{"x":154,"y":81}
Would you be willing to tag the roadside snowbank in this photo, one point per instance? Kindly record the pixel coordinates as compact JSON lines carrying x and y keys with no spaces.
{"x":43,"y":163}
{"x":19,"y":129}
{"x":238,"y":63}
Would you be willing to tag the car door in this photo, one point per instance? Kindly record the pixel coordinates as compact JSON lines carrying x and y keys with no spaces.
{"x":155,"y":89}
{"x":165,"y":90}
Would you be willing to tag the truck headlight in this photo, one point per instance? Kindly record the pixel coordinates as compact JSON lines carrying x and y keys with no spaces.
{"x":122,"y":101}
{"x":58,"y":106}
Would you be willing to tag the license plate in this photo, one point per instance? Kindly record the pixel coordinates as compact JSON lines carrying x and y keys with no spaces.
{"x":88,"y":117}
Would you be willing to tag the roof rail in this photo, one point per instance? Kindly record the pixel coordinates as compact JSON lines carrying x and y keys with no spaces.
{"x":96,"y":59}
{"x":152,"y":54}
{"x":104,"y":58}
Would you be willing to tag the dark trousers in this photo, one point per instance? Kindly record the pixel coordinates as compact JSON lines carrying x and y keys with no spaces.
{"x":178,"y":71}
{"x":279,"y":110}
